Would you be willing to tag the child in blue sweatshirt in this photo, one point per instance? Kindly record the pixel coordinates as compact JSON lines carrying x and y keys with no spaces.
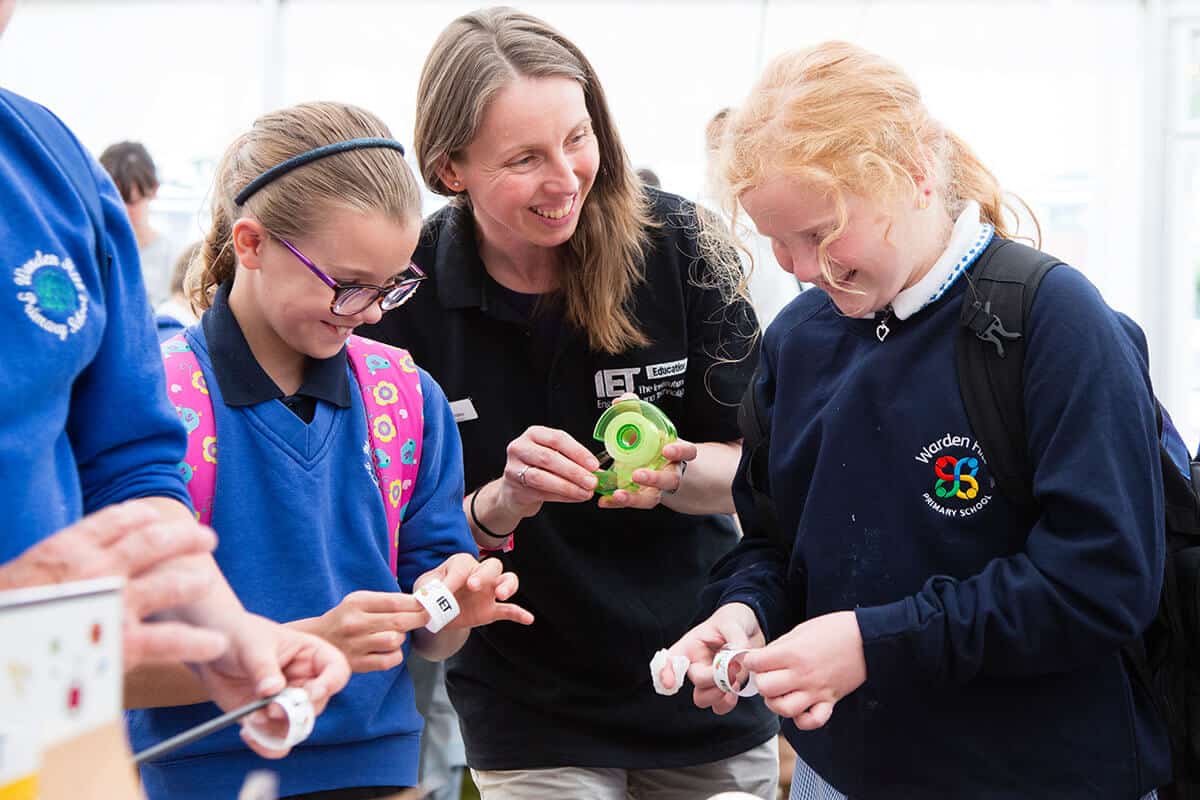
{"x":315,"y":219}
{"x":90,"y":443}
{"x":947,"y":648}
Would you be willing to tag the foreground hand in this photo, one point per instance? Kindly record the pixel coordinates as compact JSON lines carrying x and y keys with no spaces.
{"x":265,"y":657}
{"x":131,"y":540}
{"x":733,"y":625}
{"x":481,"y":589}
{"x":370,"y":628}
{"x":804,"y":673}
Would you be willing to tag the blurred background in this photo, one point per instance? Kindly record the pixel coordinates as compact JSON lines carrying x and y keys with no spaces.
{"x":1090,"y":111}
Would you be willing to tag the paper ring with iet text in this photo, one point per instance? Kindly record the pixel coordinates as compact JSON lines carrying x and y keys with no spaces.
{"x":439,"y":601}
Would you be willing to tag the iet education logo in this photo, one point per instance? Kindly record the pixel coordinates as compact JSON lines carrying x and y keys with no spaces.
{"x":660,"y":380}
{"x":956,"y":464}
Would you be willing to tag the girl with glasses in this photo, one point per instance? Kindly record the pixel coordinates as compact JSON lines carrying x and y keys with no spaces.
{"x":333,"y":473}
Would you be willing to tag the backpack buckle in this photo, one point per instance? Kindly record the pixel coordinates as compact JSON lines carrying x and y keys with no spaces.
{"x":988,"y":327}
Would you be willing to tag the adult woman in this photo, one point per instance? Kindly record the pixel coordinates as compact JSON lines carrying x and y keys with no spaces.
{"x":971,"y":650}
{"x":559,"y":284}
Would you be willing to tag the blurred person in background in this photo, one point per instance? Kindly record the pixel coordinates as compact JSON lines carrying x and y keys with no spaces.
{"x":649,"y":177}
{"x":175,"y":313}
{"x":133,"y":171}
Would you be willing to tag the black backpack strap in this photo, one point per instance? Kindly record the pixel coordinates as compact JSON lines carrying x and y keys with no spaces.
{"x":990,"y":356}
{"x":72,"y":160}
{"x":756,"y":441}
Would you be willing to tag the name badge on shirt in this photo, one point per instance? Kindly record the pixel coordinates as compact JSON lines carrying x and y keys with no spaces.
{"x":464,"y":410}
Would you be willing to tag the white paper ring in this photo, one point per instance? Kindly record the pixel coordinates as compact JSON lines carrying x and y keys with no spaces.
{"x":679,"y":667}
{"x":301,"y":717}
{"x":721,"y":664}
{"x":439,"y":601}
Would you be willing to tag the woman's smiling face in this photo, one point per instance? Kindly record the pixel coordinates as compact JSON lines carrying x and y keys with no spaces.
{"x":529,"y":169}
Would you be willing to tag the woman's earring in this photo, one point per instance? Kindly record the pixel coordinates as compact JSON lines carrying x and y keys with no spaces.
{"x":923,"y":201}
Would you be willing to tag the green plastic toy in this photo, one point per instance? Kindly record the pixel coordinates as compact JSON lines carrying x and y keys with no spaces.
{"x":634,"y":433}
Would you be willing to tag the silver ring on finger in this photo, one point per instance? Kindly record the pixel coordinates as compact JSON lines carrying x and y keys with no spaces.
{"x":521,"y":474}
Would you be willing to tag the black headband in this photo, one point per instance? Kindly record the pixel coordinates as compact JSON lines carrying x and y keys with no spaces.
{"x":308,"y":157}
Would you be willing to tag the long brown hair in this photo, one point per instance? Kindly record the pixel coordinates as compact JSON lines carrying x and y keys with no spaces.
{"x":849,"y":121}
{"x":364,"y":180}
{"x":475,"y":57}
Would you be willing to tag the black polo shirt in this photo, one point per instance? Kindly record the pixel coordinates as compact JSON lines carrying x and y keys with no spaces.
{"x":244,"y":383}
{"x":608,"y":587}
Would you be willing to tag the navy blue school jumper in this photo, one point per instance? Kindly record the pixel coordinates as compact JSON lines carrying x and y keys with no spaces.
{"x":991,"y":647}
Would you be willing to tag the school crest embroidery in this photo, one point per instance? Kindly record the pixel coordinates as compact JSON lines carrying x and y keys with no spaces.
{"x":53,"y":293}
{"x":959,"y":486}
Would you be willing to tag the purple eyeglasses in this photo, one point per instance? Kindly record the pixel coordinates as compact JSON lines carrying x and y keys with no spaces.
{"x":354,"y":298}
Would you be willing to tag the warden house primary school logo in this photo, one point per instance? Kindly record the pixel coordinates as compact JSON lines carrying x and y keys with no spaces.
{"x":54,"y":295}
{"x":957,"y":483}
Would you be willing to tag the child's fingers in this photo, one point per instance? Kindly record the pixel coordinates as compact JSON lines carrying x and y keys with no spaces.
{"x":330,"y":672}
{"x":775,"y":656}
{"x":382,"y":642}
{"x":774,"y":683}
{"x":507,"y":586}
{"x":259,"y":718}
{"x":720,"y":702}
{"x":405,"y":621}
{"x":790,"y":705}
{"x":453,"y":572}
{"x":257,"y":747}
{"x":511,"y":612}
{"x":484,"y":573}
{"x":666,"y":676}
{"x":815,"y":717}
{"x":379,"y":662}
{"x":382,"y":602}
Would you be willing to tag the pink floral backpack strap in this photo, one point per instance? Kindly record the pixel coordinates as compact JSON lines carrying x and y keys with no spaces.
{"x":188,"y":390}
{"x":391,"y":392}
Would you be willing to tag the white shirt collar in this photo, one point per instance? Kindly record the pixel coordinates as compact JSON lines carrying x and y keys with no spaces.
{"x":968,"y":239}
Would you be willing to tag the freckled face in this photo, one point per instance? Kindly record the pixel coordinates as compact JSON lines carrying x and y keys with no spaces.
{"x":866,"y":258}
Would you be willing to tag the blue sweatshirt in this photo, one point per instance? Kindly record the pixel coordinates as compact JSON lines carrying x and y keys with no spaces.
{"x":302,"y":525}
{"x":991,"y":648}
{"x":84,"y":417}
